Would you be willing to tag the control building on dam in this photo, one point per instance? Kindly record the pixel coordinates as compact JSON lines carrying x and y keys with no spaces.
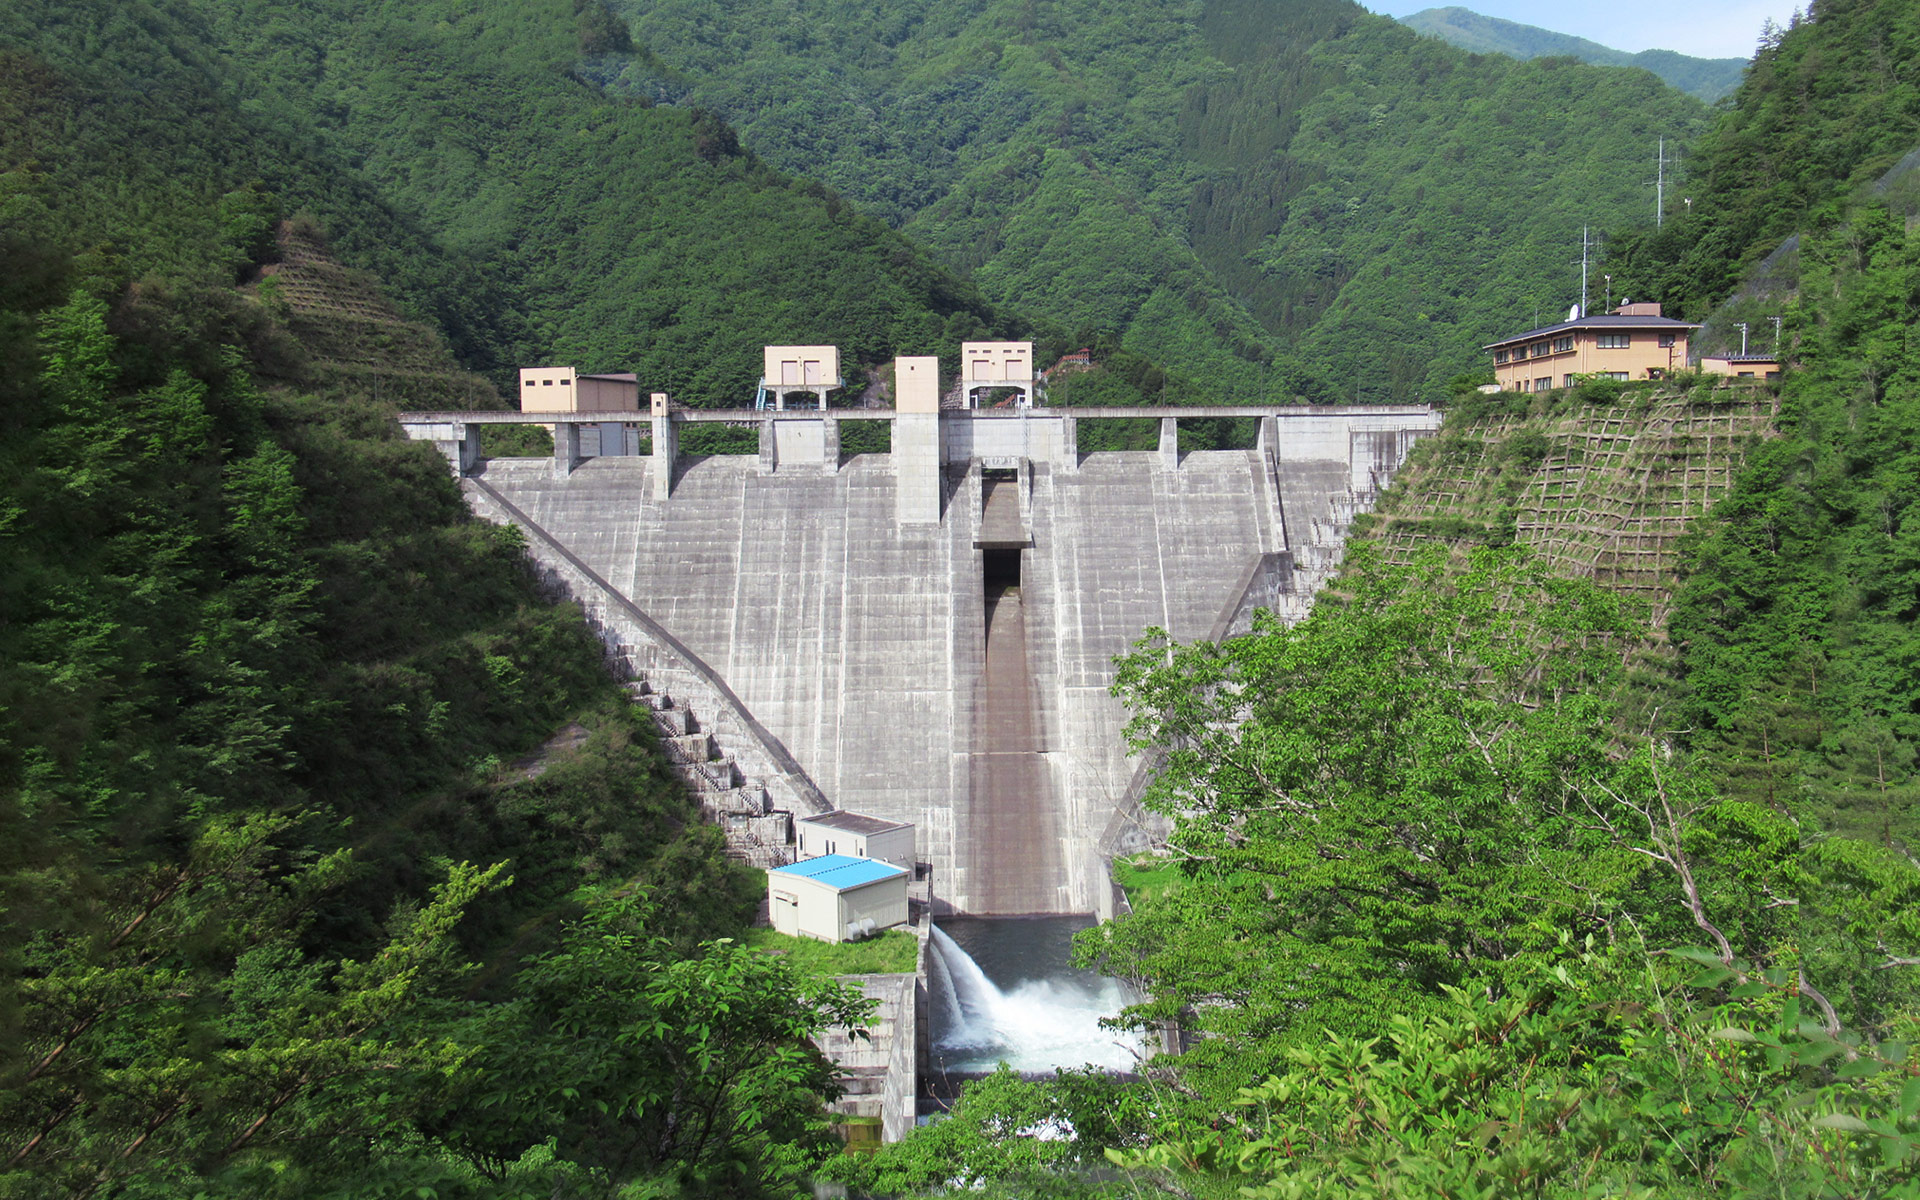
{"x":928,"y":635}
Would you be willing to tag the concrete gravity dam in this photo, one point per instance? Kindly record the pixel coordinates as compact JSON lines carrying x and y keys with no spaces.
{"x":928,"y":635}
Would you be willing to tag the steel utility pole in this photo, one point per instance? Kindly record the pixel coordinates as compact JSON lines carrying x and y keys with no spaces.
{"x":1585,"y":244}
{"x":1660,"y":185}
{"x":1742,"y":327}
{"x":1776,"y":336}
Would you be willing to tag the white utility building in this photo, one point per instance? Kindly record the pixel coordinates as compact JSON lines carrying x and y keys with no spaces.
{"x":856,"y":835}
{"x":836,"y":897}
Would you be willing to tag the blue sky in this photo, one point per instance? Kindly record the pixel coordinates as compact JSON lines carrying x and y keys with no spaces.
{"x":1702,"y":28}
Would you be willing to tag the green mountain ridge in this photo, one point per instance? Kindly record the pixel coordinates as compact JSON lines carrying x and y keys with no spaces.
{"x":1707,"y":78}
{"x":1258,"y":196}
{"x":1457,"y":903}
{"x":449,"y":148}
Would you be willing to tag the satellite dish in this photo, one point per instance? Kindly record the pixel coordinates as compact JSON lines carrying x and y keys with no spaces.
{"x":1573,"y":314}
{"x":1624,"y":302}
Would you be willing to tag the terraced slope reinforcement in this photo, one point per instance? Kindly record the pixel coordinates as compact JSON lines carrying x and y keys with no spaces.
{"x":1600,"y":482}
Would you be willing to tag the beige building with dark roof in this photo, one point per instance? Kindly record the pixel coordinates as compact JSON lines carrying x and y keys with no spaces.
{"x":1632,"y":342}
{"x":564,"y":389}
{"x":1742,"y":366}
{"x":859,"y":836}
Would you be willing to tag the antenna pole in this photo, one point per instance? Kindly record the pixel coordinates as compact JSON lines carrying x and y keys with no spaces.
{"x":1660,"y":185}
{"x":1583,"y":270}
{"x":1742,"y":327}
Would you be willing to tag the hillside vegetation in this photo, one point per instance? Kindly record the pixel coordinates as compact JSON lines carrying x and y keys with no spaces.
{"x":1251,"y":201}
{"x":1600,"y":482}
{"x":1263,"y":198}
{"x":451,"y":148}
{"x":1826,"y":108}
{"x":278,"y":920}
{"x":1707,"y":78}
{"x":1567,"y":848}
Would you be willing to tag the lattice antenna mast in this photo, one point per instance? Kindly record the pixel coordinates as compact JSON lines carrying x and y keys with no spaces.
{"x":1660,"y":161}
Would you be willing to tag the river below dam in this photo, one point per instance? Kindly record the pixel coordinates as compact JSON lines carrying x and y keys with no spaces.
{"x":1004,"y":990}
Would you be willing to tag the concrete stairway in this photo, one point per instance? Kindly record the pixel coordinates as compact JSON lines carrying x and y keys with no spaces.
{"x":757,"y":833}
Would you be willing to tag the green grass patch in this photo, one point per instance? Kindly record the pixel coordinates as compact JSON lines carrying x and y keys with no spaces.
{"x":1145,"y":875}
{"x":894,"y":952}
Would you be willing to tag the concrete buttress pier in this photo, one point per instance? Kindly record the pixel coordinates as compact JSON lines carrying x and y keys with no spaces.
{"x":930,"y":633}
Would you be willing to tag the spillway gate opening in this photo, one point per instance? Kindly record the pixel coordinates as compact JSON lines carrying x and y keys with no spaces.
{"x":1000,"y":570}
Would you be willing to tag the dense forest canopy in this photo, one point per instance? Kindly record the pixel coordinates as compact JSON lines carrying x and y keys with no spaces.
{"x":302,"y":897}
{"x":1262,"y":197}
{"x":299,"y":900}
{"x":453,"y":150}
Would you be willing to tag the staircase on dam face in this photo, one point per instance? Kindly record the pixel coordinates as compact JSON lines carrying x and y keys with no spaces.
{"x":757,"y":833}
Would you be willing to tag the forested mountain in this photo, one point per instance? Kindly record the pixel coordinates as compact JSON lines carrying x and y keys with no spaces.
{"x":1452,"y":906}
{"x":1258,"y":195}
{"x":1491,"y":879}
{"x":324,"y":836}
{"x":1827,"y":107}
{"x":1259,"y":198}
{"x":1707,"y":78}
{"x":451,"y":148}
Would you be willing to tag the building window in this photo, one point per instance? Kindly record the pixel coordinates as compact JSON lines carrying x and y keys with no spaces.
{"x":1666,"y":341}
{"x":1543,"y":384}
{"x":1566,"y":381}
{"x":1562,"y":345}
{"x":566,"y":383}
{"x":1612,"y":374}
{"x":1539,"y":349}
{"x":1744,"y":375}
{"x":532,"y":382}
{"x":546,"y":382}
{"x":1614,"y":341}
{"x":1499,"y":356}
{"x":1773,"y":374}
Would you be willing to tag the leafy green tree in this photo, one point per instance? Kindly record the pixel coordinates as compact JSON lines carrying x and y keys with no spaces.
{"x":1011,"y":1136}
{"x":641,"y":1064}
{"x":1425,"y":786}
{"x":1597,"y":1081}
{"x":1382,"y":799}
{"x":179,"y":1027}
{"x":1795,"y":618}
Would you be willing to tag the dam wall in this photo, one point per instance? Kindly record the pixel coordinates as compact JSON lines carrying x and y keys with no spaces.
{"x":853,"y":630}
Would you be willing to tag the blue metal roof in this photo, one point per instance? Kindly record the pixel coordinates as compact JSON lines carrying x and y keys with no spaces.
{"x":842,"y":871}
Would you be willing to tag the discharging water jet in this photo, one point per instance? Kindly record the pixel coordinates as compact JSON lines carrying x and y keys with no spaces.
{"x":1002,"y":991}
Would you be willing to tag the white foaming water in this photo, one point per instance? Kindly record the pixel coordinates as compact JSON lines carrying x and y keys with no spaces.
{"x":1039,"y":1025}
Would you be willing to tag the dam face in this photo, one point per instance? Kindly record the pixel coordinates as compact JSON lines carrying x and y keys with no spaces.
{"x":930,"y":634}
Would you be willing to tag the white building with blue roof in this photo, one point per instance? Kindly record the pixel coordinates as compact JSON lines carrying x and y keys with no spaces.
{"x":836,"y":897}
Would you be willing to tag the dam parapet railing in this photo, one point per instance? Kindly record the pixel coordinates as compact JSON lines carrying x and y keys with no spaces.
{"x":811,"y":438}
